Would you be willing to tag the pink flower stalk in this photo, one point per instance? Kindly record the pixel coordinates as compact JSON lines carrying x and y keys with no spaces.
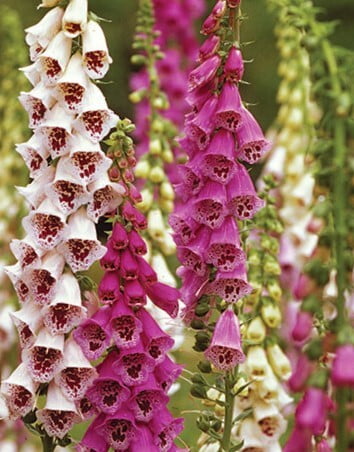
{"x":69,"y":116}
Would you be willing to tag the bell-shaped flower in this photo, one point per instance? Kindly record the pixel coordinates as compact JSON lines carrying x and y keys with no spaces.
{"x":128,"y":265}
{"x":109,"y":288}
{"x":107,"y":392}
{"x":31,"y":73}
{"x":15,"y":273}
{"x":209,"y":47}
{"x":191,"y":181}
{"x":75,"y":18}
{"x":234,"y":66}
{"x":311,"y":412}
{"x":26,"y":252}
{"x":86,"y":161}
{"x":269,"y":420}
{"x":204,"y":73}
{"x":59,"y":414}
{"x":143,"y":440}
{"x":110,"y":261}
{"x":251,"y":141}
{"x":225,"y":349}
{"x":35,"y":191}
{"x":77,"y":374}
{"x":71,"y":87}
{"x":209,"y":205}
{"x":231,"y":286}
{"x":256,"y":331}
{"x":92,"y":440}
{"x":218,"y":161}
{"x":242,"y":199}
{"x":65,"y":310}
{"x":42,"y":281}
{"x":125,"y":326}
{"x":95,"y":119}
{"x":55,"y":132}
{"x":156,"y":342}
{"x":301,"y":372}
{"x":303,"y":326}
{"x":202,"y":124}
{"x":251,"y":435}
{"x":268,"y":388}
{"x":34,"y":155}
{"x":39,"y":35}
{"x":167,"y":372}
{"x":183,"y":225}
{"x":45,"y":357}
{"x":279,"y":361}
{"x":45,"y":226}
{"x":92,"y":334}
{"x":164,"y":297}
{"x":192,"y":255}
{"x":81,"y":247}
{"x":165,"y":429}
{"x":228,"y":110}
{"x":37,"y":103}
{"x":27,"y":321}
{"x":19,"y":391}
{"x":147,"y":274}
{"x":342,"y":373}
{"x":66,"y":192}
{"x":224,"y":249}
{"x":256,"y":363}
{"x":147,"y":400}
{"x":96,"y":58}
{"x":118,"y":429}
{"x":300,"y":439}
{"x":106,"y":196}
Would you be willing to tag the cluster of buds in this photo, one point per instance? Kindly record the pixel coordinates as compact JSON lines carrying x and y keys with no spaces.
{"x":69,"y":192}
{"x":129,"y":396}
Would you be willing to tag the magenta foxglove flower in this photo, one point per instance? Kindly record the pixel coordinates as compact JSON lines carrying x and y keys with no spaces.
{"x":225,"y":350}
{"x":303,"y":326}
{"x":342,"y":373}
{"x":311,"y":412}
{"x":300,"y":439}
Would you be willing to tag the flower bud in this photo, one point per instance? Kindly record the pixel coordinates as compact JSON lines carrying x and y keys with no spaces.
{"x":146,"y":202}
{"x":271,"y":315}
{"x":167,"y":156}
{"x":155,"y":147}
{"x":198,"y":391}
{"x":256,"y":331}
{"x":274,"y":290}
{"x":156,"y":225}
{"x":166,"y":191}
{"x":279,"y":361}
{"x":142,"y":169}
{"x":157,"y":175}
{"x":271,"y":265}
{"x":256,"y":363}
{"x":166,"y":205}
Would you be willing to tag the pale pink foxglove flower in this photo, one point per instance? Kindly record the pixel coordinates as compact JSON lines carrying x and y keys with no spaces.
{"x":96,"y":119}
{"x":95,"y":52}
{"x":39,"y":35}
{"x":106,"y":196}
{"x":55,"y":132}
{"x":71,"y":87}
{"x":28,"y":321}
{"x":44,"y":358}
{"x":37,"y":103}
{"x":26,"y":252}
{"x":14,"y":272}
{"x":80,"y":246}
{"x":65,"y":310}
{"x":34,"y":192}
{"x":34,"y":155}
{"x":19,"y":392}
{"x":53,"y":61}
{"x":59,"y":414}
{"x":66,"y":192}
{"x":75,"y":18}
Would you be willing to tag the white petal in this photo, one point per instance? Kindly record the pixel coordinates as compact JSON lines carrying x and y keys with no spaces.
{"x":56,"y":400}
{"x":34,"y":155}
{"x":95,"y":51}
{"x":75,"y":18}
{"x":31,"y":73}
{"x":106,"y":197}
{"x":21,"y":377}
{"x":37,"y":103}
{"x":27,"y":321}
{"x":35,"y":191}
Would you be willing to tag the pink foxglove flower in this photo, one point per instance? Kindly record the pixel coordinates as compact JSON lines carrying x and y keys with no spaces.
{"x":342,"y":369}
{"x":311,"y":412}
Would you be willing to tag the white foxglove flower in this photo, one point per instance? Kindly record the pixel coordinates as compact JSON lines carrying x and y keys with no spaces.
{"x":77,"y":374}
{"x":27,"y":321}
{"x":37,"y":103}
{"x":156,"y":225}
{"x":330,"y":290}
{"x":270,"y":421}
{"x":106,"y":196}
{"x":39,"y":35}
{"x":268,"y":387}
{"x":66,"y":192}
{"x":45,"y":357}
{"x":75,"y":18}
{"x":87,"y":162}
{"x":71,"y":86}
{"x":283,"y":399}
{"x":81,"y":247}
{"x":34,"y":155}
{"x":19,"y":392}
{"x":279,"y":361}
{"x":256,"y":363}
{"x":31,"y":73}
{"x":34,"y":193}
{"x":276,"y":162}
{"x":42,"y":281}
{"x":158,"y":263}
{"x":59,"y":414}
{"x":14,"y":272}
{"x":45,"y":226}
{"x":6,"y":328}
{"x":65,"y":310}
{"x":167,"y":244}
{"x":53,"y":61}
{"x":303,"y":190}
{"x":55,"y":131}
{"x":26,"y":252}
{"x":48,"y":3}
{"x":251,"y":435}
{"x":95,"y":51}
{"x":96,"y":119}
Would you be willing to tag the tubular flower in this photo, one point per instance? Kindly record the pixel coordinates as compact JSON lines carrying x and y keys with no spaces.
{"x":68,"y":118}
{"x":129,"y":392}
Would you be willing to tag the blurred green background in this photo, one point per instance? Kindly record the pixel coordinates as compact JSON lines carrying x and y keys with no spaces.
{"x":262,"y":75}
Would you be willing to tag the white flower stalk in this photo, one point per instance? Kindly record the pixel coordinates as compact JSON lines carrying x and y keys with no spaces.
{"x":95,"y":51}
{"x":75,"y":18}
{"x":66,"y":192}
{"x":71,"y":86}
{"x":87,"y":162}
{"x":45,"y":226}
{"x":34,"y":193}
{"x":59,"y":414}
{"x":37,"y":103}
{"x":65,"y":311}
{"x":55,"y":131}
{"x":77,"y":374}
{"x":53,"y":61}
{"x":39,"y":35}
{"x":81,"y":247}
{"x":106,"y":196}
{"x":34,"y":155}
{"x":44,"y":358}
{"x":27,"y":321}
{"x":96,"y":119}
{"x":19,"y":392}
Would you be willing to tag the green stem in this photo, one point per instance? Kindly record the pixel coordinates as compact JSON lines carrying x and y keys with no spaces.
{"x":229,"y":410}
{"x":47,"y":443}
